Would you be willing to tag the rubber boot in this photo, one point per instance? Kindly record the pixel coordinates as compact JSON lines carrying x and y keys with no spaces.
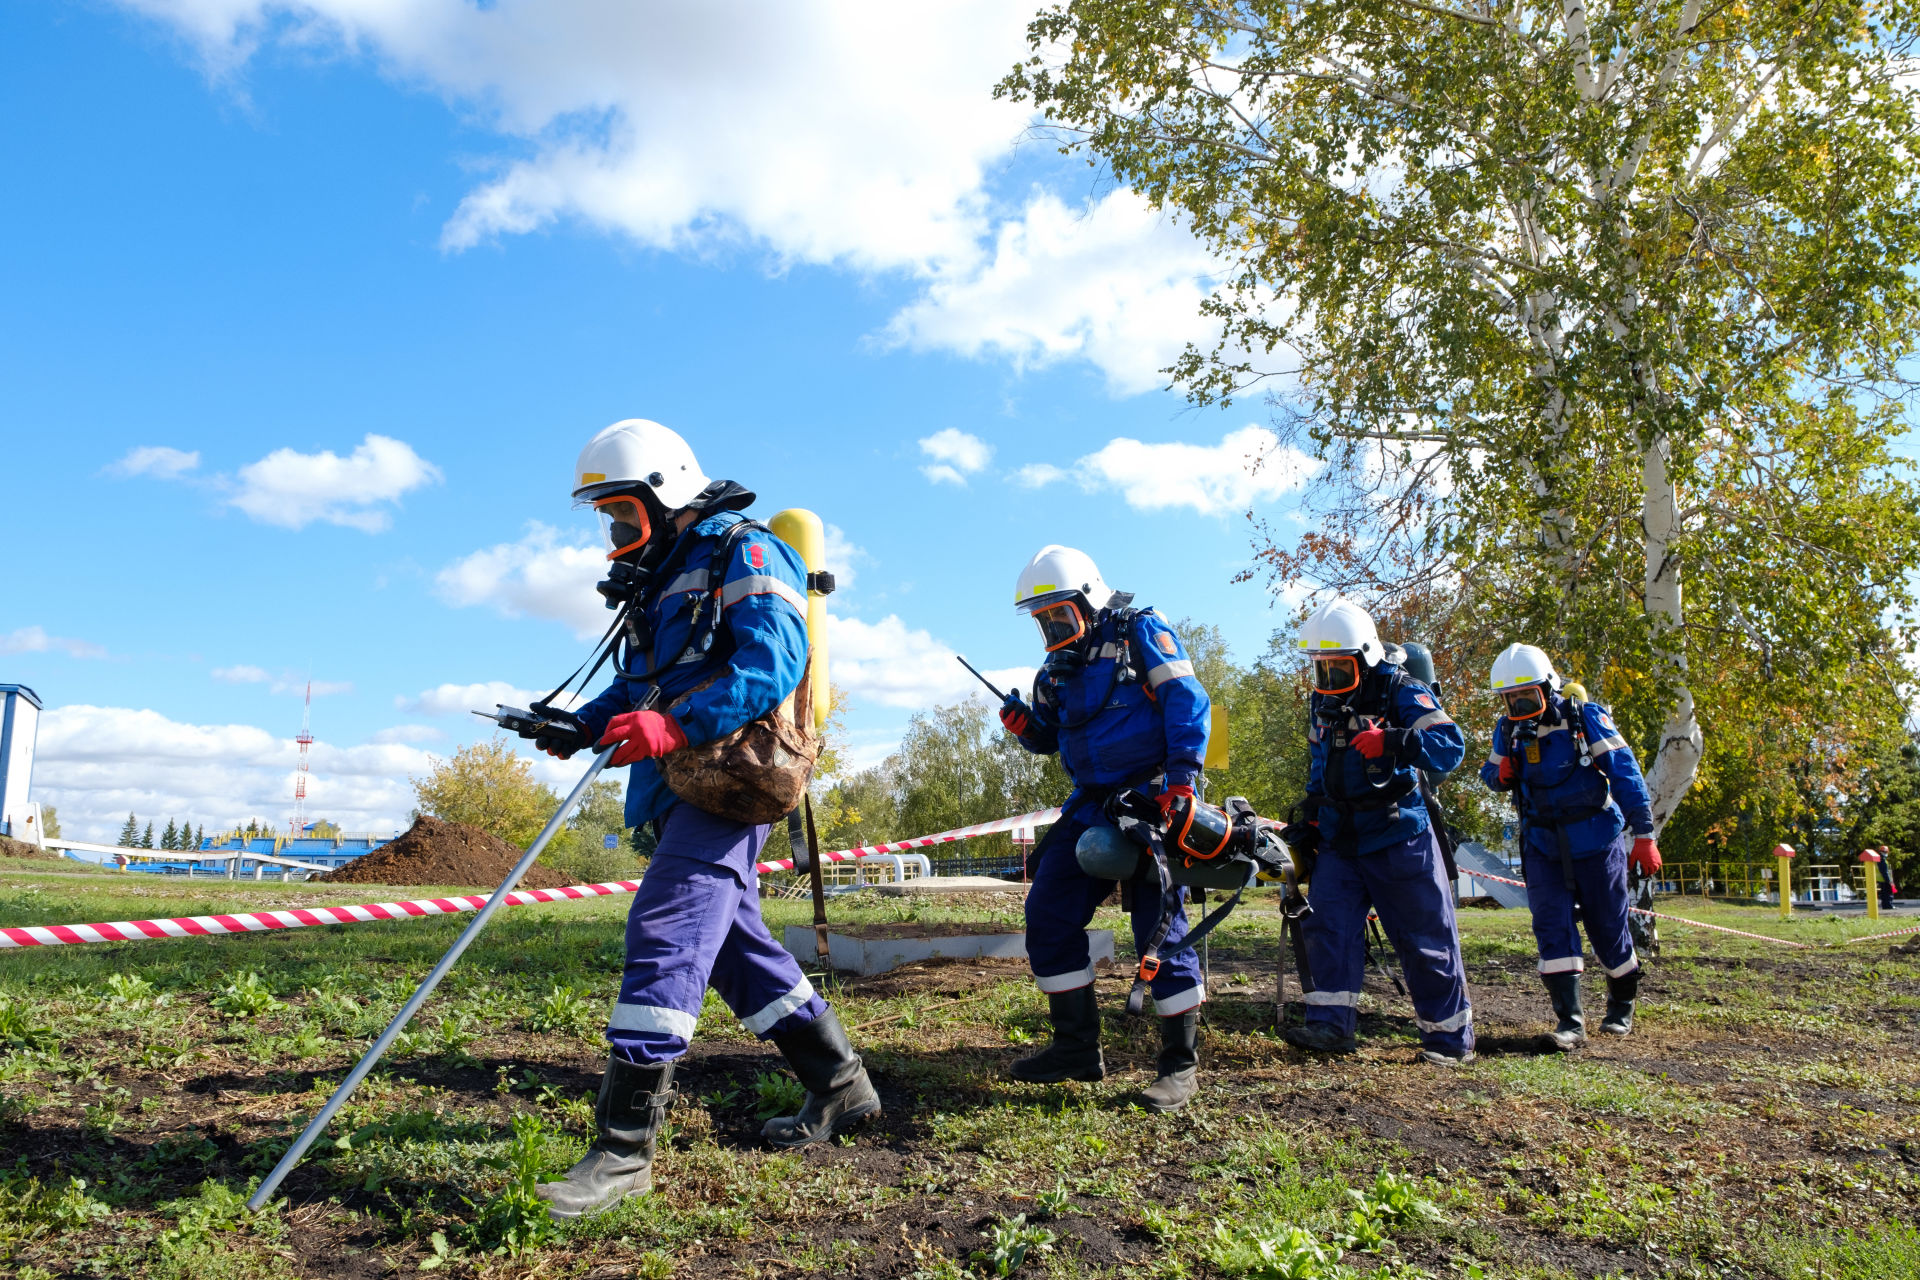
{"x":633,"y":1103}
{"x":839,"y":1094}
{"x":1318,"y":1037}
{"x":1178,"y":1065}
{"x":1444,"y":1057}
{"x":1563,"y":989}
{"x":1621,"y":993}
{"x":1075,"y":1051}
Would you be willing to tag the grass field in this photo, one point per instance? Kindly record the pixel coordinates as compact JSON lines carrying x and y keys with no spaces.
{"x":1764,"y":1120}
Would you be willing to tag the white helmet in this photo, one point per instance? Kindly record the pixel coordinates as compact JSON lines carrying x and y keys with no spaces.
{"x":636,"y":453}
{"x":1054,"y":574}
{"x":1341,"y":627}
{"x":1520,"y":664}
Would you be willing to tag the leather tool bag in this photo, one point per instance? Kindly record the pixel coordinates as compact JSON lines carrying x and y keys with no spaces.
{"x":759,"y":772}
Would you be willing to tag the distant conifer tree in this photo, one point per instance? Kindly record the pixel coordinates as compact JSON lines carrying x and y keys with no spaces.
{"x":146,"y":840}
{"x":170,"y":838}
{"x":130,"y":834}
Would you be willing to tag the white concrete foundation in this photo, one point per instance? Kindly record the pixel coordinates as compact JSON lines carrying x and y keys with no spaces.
{"x":868,"y":956}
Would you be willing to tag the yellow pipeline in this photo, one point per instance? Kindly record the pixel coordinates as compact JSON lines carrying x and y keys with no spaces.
{"x":802,"y":530}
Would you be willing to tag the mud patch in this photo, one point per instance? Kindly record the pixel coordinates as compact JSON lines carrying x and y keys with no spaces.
{"x":433,"y":851}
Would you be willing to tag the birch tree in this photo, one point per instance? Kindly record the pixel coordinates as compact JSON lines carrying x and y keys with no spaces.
{"x":1592,"y":310}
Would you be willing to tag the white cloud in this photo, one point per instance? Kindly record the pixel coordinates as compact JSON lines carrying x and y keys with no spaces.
{"x":842,"y":557}
{"x":284,"y":683}
{"x":155,"y":460}
{"x":1113,"y":282}
{"x":408,"y":733}
{"x":293,"y":490}
{"x":893,"y":665}
{"x":540,"y":575}
{"x":956,"y":455}
{"x":1247,"y":466}
{"x":36,"y":640}
{"x":100,"y":763}
{"x":240,"y":675}
{"x":460,"y":699}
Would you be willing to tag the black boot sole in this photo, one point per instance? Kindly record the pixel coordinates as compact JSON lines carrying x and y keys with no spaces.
{"x":1095,"y":1076}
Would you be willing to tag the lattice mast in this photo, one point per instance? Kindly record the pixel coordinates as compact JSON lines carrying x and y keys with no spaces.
{"x":300,"y":778}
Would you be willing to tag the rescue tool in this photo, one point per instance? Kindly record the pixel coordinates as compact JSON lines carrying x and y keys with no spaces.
{"x":318,"y":1124}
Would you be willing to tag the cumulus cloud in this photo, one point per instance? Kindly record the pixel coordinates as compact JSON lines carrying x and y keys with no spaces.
{"x":1247,"y":466}
{"x":100,"y":763}
{"x":843,"y":557}
{"x":293,"y":490}
{"x":36,"y":640}
{"x":240,"y":675}
{"x":890,"y":664}
{"x":155,"y":460}
{"x":284,"y":683}
{"x":407,"y":733}
{"x":956,"y":455}
{"x":459,"y":699}
{"x":541,"y":575}
{"x":1113,"y":282}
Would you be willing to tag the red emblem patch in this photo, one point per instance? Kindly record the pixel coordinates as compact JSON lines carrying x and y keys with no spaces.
{"x":1165,"y":641}
{"x":1424,"y":701}
{"x":756,"y":557}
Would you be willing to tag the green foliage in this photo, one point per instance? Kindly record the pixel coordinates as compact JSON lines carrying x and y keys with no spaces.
{"x":1290,"y":1253}
{"x":129,"y":988}
{"x":247,"y":996}
{"x":1054,"y":1202}
{"x":215,"y":1209}
{"x":1395,"y":1201}
{"x":130,"y":833}
{"x":18,"y":1030}
{"x":516,"y":1220}
{"x":1009,"y":1241}
{"x":487,"y":785}
{"x":582,"y":856}
{"x":777,"y":1094}
{"x":565,"y":1009}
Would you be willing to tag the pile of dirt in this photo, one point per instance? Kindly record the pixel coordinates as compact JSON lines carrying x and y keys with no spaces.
{"x":11,"y":848}
{"x":437,"y":852}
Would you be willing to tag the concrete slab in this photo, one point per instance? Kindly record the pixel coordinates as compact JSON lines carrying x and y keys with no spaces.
{"x":868,"y":956}
{"x":950,"y":884}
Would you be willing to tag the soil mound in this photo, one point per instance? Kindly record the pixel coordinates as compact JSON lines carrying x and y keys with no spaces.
{"x":437,"y":852}
{"x":11,"y":848}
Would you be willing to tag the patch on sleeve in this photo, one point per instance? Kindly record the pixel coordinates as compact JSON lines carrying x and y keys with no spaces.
{"x":1426,"y":701}
{"x":756,"y":555}
{"x":1165,"y":641}
{"x":1606,"y":722}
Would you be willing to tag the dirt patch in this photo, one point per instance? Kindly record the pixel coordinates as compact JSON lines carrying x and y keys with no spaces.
{"x":11,"y":848}
{"x":436,"y":852}
{"x":954,"y":929}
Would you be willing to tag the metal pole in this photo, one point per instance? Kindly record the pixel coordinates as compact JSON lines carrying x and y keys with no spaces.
{"x":340,"y":1095}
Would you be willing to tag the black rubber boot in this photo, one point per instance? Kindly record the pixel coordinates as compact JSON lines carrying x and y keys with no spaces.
{"x":839,"y":1095}
{"x":1563,"y":989}
{"x":1075,"y":1051}
{"x":1444,"y":1057}
{"x":634,"y":1098}
{"x":1178,"y":1065}
{"x":1318,"y":1037}
{"x":1621,"y":993}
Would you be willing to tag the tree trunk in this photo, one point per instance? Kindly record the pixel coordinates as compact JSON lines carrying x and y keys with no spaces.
{"x":1678,"y":756}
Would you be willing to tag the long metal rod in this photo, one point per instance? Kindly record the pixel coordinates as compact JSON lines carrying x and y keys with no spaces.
{"x":340,"y":1095}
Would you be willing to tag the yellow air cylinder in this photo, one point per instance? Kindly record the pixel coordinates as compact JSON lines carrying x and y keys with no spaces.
{"x":802,"y":530}
{"x":1217,"y":738}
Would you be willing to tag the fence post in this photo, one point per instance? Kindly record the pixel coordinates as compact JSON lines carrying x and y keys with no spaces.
{"x":1783,"y":859}
{"x":1870,"y":863}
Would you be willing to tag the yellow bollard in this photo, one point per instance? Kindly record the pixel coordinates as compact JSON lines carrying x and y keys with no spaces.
{"x":1870,"y":862}
{"x":1783,"y":859}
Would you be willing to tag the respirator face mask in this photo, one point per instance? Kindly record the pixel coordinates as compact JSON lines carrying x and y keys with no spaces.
{"x":1336,"y":673}
{"x":1525,"y":703}
{"x":1060,"y":624}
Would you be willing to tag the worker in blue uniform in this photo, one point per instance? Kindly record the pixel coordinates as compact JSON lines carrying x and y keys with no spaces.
{"x":1374,"y":728}
{"x":1117,"y":699}
{"x":716,"y":638}
{"x":1584,"y":816}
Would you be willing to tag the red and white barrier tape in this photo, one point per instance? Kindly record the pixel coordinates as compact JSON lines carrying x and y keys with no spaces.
{"x":306,"y":917}
{"x":1038,"y":818}
{"x":1661,"y":915}
{"x":1875,"y":937}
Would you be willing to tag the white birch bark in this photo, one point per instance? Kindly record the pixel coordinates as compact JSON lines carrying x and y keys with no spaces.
{"x":1681,"y":745}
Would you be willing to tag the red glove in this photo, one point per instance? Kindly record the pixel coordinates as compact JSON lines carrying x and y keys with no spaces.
{"x":1645,"y":856}
{"x":642,"y":735}
{"x":1168,"y":799}
{"x":1370,"y":741}
{"x":1508,"y":771}
{"x":1013,"y":714}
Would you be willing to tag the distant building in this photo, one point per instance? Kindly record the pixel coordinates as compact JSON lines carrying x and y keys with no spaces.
{"x":323,"y":851}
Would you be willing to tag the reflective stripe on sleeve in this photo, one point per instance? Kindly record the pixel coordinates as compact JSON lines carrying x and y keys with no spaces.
{"x":1340,"y":999}
{"x":1178,"y":1003}
{"x":1564,"y":964}
{"x":760,"y":584}
{"x":654,"y":1018}
{"x":1168,"y":671}
{"x":761,"y":1021}
{"x":1604,"y":745}
{"x":691,"y":580}
{"x":1429,"y":720}
{"x":1454,"y":1023}
{"x":1054,"y":983}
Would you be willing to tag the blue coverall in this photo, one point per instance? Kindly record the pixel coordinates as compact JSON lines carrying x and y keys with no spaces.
{"x":696,"y":918}
{"x":1381,"y":851}
{"x":1582,"y":804}
{"x":1111,"y":731}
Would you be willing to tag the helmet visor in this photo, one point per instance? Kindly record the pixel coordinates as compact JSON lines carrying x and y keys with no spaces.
{"x":623,"y":519}
{"x":1526,"y":702}
{"x":1060,"y":624}
{"x":1336,"y":673}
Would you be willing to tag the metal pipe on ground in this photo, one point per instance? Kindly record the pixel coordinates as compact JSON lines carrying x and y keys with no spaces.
{"x":318,"y":1124}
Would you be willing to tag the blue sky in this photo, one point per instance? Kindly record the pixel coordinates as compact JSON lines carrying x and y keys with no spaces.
{"x":305,"y":312}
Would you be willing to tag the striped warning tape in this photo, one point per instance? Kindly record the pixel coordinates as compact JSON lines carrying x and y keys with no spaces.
{"x":307,"y":917}
{"x":1661,"y":915}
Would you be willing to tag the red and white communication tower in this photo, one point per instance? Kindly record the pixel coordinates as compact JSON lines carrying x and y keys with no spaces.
{"x":300,"y":779}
